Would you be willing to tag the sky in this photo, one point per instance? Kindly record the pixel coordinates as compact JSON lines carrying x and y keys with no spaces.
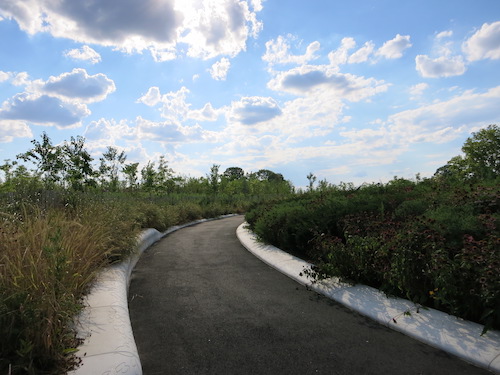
{"x":351,"y":91}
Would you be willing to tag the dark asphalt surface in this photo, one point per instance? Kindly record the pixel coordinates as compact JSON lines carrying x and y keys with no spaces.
{"x":200,"y":303}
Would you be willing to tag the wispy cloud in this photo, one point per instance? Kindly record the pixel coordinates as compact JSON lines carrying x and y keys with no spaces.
{"x":85,"y":53}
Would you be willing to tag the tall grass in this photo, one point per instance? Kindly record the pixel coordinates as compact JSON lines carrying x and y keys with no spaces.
{"x":52,"y":245}
{"x":48,"y":259}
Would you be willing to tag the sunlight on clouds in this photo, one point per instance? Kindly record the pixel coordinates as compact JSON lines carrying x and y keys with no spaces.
{"x":484,"y":44}
{"x":209,"y":28}
{"x":213,"y":28}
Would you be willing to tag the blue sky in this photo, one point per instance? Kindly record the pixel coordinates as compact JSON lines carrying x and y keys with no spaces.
{"x":354,"y":91}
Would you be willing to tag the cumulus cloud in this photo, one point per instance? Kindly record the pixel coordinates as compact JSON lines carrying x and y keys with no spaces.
{"x":209,"y":28}
{"x":10,"y":129}
{"x":217,"y":27}
{"x":78,"y":85}
{"x":362,"y":54}
{"x":167,"y":131}
{"x":174,"y":106}
{"x":341,"y":55}
{"x":393,"y":49}
{"x":484,"y":44}
{"x":84,"y":54}
{"x":308,"y":78}
{"x":60,"y":101}
{"x":254,"y":110}
{"x":443,"y":66}
{"x":219,"y":70}
{"x":207,"y":113}
{"x":278,"y":52}
{"x":43,"y":110}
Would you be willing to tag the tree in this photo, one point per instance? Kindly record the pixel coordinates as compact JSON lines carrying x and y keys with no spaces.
{"x":111,"y":162}
{"x":481,"y":160}
{"x":78,"y":168}
{"x":482,"y":152}
{"x":46,"y":157}
{"x":148,"y":175}
{"x":213,"y":177}
{"x":7,"y":169}
{"x":130,"y":171}
{"x":312,"y":179}
{"x":233,"y":173}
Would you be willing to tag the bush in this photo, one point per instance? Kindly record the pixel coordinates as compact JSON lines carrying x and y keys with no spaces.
{"x":433,"y":244}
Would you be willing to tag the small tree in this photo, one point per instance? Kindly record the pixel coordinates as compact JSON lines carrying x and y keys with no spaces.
{"x":111,"y":163}
{"x":130,"y":171}
{"x":47,"y":159}
{"x":482,"y":152}
{"x":78,"y":168}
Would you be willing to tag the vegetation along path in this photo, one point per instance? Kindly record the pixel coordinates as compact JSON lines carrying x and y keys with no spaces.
{"x":201,"y":304}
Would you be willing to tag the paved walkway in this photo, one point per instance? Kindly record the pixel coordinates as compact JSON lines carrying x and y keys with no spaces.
{"x":201,"y":304}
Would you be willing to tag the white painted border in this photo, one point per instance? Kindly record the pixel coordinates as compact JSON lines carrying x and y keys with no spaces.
{"x":454,"y":335}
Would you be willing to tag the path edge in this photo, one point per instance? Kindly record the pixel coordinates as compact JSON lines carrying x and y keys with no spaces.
{"x":451,"y":334}
{"x":104,"y":325}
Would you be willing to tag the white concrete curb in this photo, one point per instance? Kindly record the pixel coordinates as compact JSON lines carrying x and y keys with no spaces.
{"x":104,"y":324}
{"x":438,"y":329}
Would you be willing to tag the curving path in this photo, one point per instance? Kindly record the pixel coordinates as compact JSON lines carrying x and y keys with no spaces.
{"x":201,"y":304}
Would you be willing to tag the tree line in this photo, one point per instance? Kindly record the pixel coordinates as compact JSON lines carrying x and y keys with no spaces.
{"x":70,"y":166}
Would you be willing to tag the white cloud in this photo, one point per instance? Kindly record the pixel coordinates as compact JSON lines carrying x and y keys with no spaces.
{"x":217,"y":27}
{"x":152,"y":97}
{"x":254,"y":110}
{"x":362,"y":54}
{"x":444,"y":34}
{"x":444,"y":121}
{"x":207,"y":113}
{"x":341,"y":55}
{"x":85,"y":54}
{"x":21,"y":79}
{"x":393,"y":49}
{"x":5,"y":76}
{"x":417,"y":90}
{"x":77,"y":84}
{"x":210,"y":28}
{"x":43,"y":110}
{"x":443,"y":66}
{"x":10,"y":129}
{"x":278,"y":52}
{"x":308,"y":78}
{"x":219,"y":70}
{"x":175,"y":108}
{"x":484,"y":44}
{"x":167,"y":131}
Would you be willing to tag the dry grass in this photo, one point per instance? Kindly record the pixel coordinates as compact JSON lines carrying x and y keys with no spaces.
{"x":47,"y":262}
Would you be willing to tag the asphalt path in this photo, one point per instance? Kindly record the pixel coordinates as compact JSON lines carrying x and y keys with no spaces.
{"x":200,"y":303}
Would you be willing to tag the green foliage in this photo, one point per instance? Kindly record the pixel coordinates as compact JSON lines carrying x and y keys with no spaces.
{"x":434,"y":244}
